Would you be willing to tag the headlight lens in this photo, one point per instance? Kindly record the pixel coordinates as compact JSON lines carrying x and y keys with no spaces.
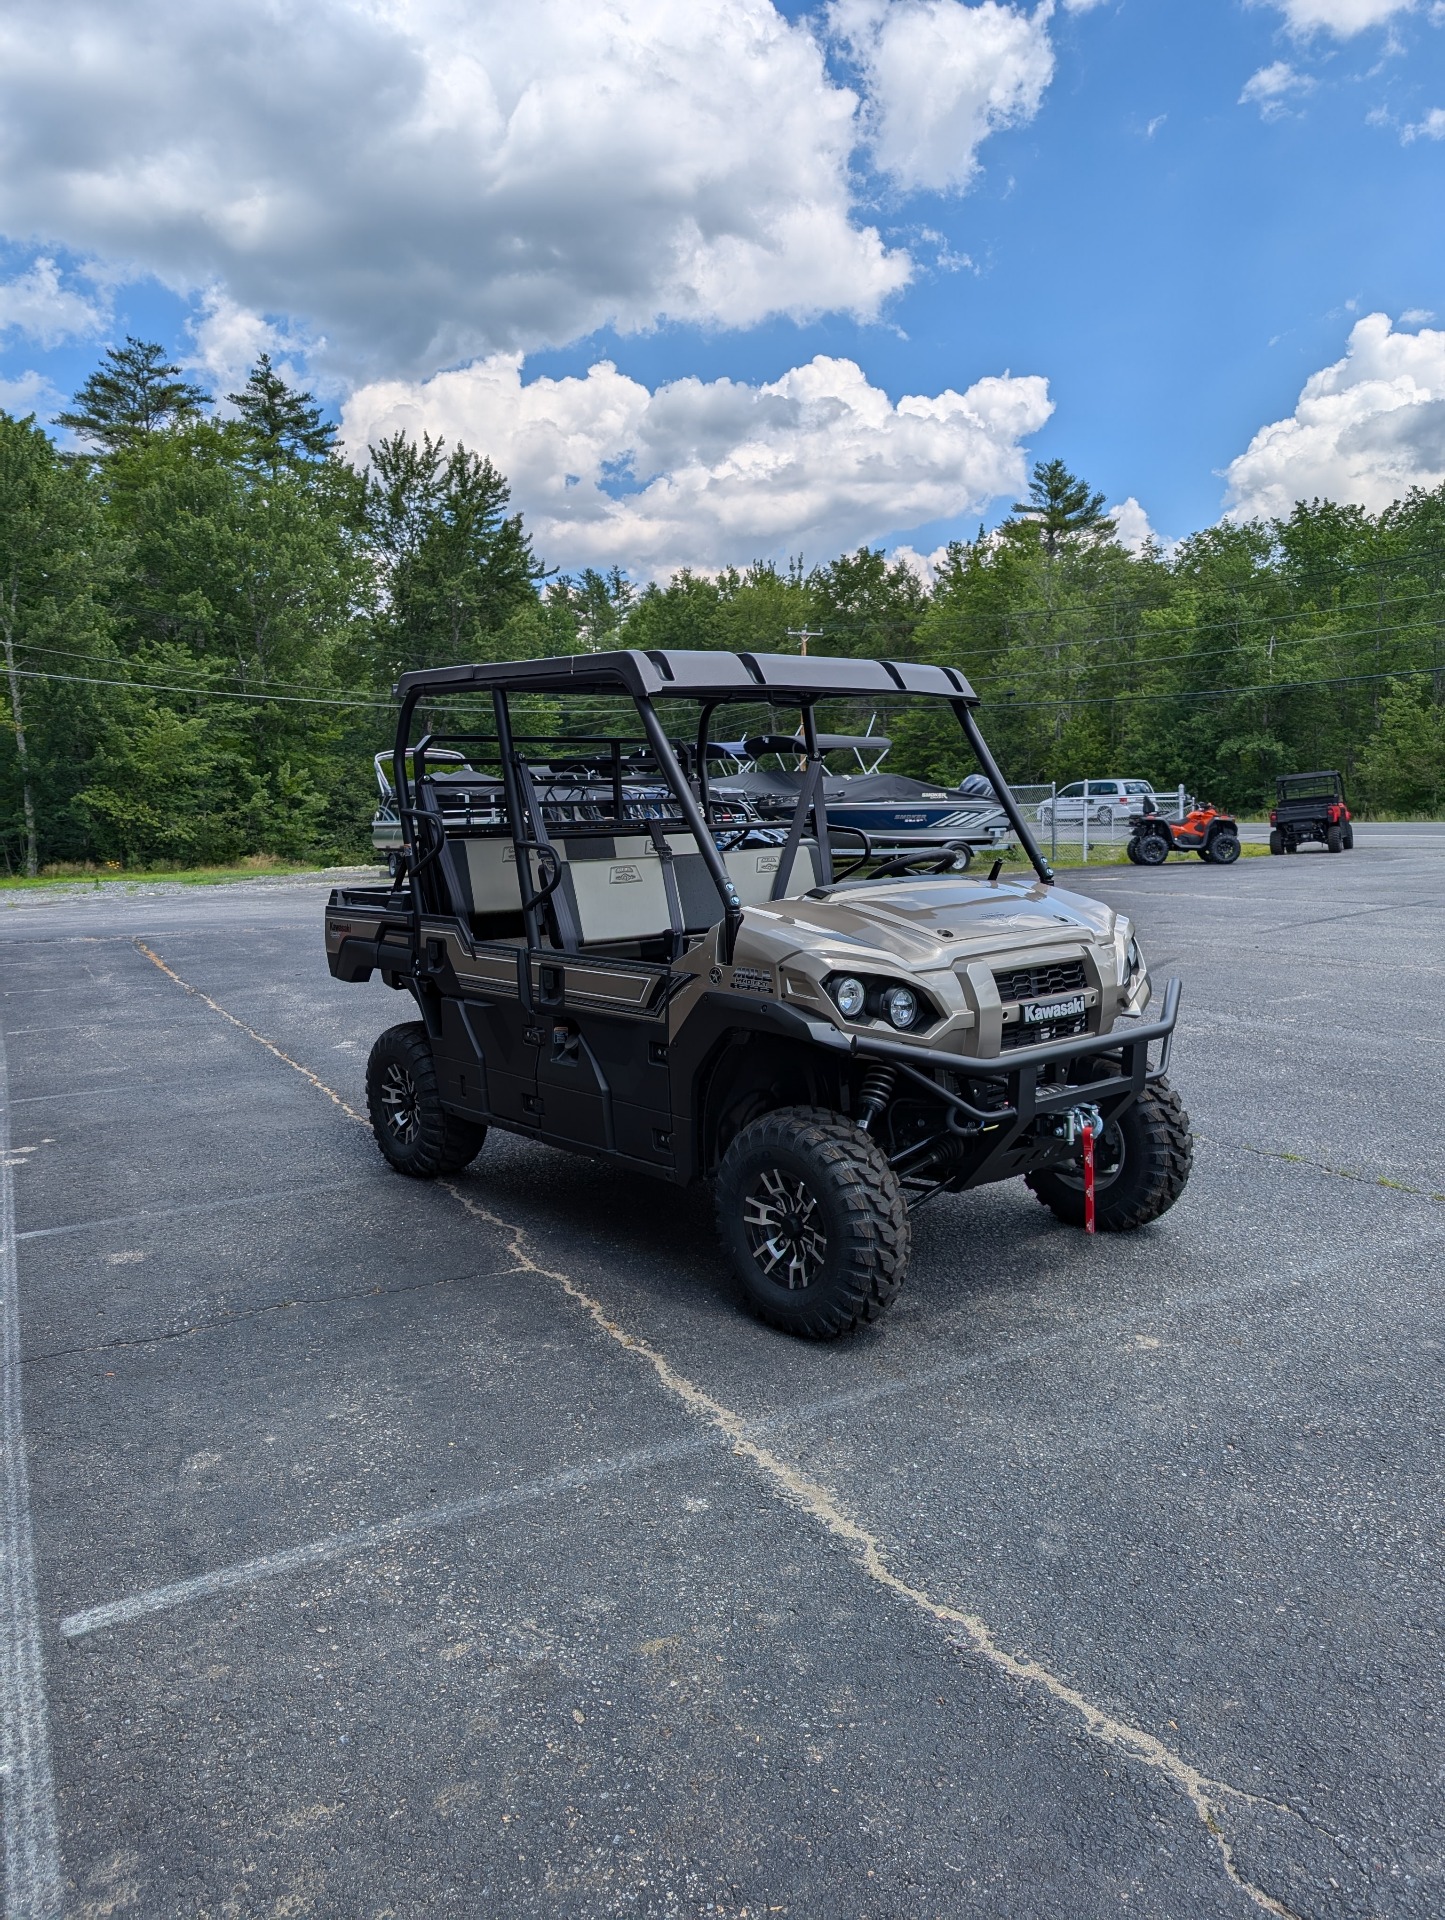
{"x":850,"y":995}
{"x":901,"y":1006}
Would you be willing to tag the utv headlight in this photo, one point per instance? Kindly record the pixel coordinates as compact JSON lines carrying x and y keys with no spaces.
{"x":850,"y":995}
{"x":901,"y":1006}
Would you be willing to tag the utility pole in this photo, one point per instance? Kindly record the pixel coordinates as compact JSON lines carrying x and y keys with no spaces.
{"x":7,"y":632}
{"x":803,"y":635}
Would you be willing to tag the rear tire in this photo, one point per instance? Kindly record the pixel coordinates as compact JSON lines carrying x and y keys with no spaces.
{"x":1335,"y":840}
{"x":1131,"y":852}
{"x":1142,"y":1166}
{"x":1276,"y":843}
{"x":814,"y":1221}
{"x":1153,"y":850}
{"x":414,"y":1131}
{"x":1349,"y":834}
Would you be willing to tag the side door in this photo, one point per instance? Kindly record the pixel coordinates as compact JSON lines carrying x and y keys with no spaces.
{"x":602,"y":1064}
{"x":1105,"y":800}
{"x":1069,"y":804}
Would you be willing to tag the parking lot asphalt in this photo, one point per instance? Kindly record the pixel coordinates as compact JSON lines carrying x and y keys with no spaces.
{"x":466,"y":1549}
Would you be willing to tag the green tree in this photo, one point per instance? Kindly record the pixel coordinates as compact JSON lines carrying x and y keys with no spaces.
{"x":56,"y":566}
{"x":134,"y":393}
{"x":285,"y":424}
{"x":452,"y":565}
{"x":1060,"y":507}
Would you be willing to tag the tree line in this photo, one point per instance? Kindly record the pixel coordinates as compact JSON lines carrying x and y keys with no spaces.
{"x":201,"y":619}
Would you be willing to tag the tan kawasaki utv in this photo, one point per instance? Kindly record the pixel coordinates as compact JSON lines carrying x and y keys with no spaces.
{"x":608,"y":957}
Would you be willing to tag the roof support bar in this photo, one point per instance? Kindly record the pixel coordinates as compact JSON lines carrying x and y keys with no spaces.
{"x":697,"y":825}
{"x":1002,"y":790}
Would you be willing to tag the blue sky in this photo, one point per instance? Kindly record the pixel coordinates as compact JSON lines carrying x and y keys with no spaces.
{"x":1175,"y":261}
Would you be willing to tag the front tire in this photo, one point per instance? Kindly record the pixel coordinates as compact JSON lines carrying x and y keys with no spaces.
{"x":814,"y":1221}
{"x":413,"y":1129}
{"x":1142,"y":1165}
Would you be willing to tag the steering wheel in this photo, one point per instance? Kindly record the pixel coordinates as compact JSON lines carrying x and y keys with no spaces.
{"x":914,"y":856}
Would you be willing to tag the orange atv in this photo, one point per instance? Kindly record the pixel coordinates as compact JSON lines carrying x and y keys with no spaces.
{"x":1213,"y":835}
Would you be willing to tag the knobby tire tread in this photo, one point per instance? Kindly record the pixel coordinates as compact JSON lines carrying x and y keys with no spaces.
{"x":1169,"y":1146}
{"x":880,"y":1233}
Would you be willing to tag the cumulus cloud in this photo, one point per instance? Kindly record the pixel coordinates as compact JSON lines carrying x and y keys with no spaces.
{"x":1365,"y":430}
{"x":30,"y":392}
{"x":940,"y":77}
{"x":1131,"y":525}
{"x":1340,"y":17}
{"x":702,"y":473}
{"x":1272,"y":86}
{"x":426,"y":180}
{"x":35,"y":304}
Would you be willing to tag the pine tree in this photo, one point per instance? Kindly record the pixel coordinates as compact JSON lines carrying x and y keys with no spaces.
{"x":285,"y":423}
{"x":133,"y":394}
{"x":1060,"y":507}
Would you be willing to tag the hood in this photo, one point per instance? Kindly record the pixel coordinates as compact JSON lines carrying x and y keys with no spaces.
{"x":924,"y":921}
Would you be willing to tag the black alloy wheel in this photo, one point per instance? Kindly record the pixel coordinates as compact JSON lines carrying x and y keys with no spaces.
{"x":1153,"y":850}
{"x":414,"y":1131}
{"x":1223,"y":849}
{"x":814,"y":1222}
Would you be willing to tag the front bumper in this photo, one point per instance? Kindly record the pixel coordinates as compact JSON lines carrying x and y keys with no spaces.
{"x":1033,"y":1082}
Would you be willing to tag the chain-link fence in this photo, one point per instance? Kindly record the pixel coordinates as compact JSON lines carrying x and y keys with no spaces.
{"x":1073,"y":828}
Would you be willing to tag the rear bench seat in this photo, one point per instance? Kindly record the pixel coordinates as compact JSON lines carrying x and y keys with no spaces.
{"x":614,"y":886}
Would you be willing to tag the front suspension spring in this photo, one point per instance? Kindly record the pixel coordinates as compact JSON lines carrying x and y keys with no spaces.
{"x":875,"y":1093}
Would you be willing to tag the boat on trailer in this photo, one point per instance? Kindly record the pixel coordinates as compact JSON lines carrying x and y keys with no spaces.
{"x":896,"y":811}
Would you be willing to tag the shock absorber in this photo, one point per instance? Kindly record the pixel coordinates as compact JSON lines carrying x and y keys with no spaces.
{"x":875,"y":1093}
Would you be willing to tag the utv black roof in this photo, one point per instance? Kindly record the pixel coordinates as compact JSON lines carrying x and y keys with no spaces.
{"x":665,"y":673}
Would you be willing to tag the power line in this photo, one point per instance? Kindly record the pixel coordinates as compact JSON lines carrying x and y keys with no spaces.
{"x":1221,"y":693}
{"x":1211,"y":653}
{"x":206,"y":693}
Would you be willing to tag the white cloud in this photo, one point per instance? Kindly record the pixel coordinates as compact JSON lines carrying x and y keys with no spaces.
{"x":718,"y":471}
{"x":923,"y":566}
{"x":1432,"y":127}
{"x":940,"y":77}
{"x":424,"y":180}
{"x":1271,"y":87}
{"x":228,"y":340}
{"x":1131,"y":525}
{"x":31,"y":392}
{"x":38,"y":306}
{"x":1340,"y":17}
{"x":1365,"y":430}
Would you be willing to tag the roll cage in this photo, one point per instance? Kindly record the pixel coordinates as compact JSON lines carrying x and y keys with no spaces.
{"x":611,"y":777}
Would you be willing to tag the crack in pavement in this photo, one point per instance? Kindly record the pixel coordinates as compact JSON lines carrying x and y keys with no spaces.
{"x":1322,"y":1166}
{"x":1207,"y":1797}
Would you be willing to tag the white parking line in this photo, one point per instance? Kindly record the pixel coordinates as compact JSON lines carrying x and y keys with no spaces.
{"x":32,"y":1850}
{"x":384,"y":1533}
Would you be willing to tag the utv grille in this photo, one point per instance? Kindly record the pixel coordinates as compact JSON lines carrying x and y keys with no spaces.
{"x":1019,"y":1035}
{"x":1037,"y":983}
